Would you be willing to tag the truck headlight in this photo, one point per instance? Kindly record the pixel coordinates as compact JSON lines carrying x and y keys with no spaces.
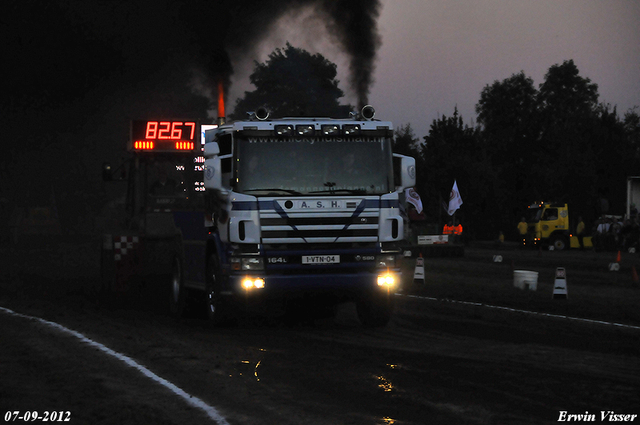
{"x":252,"y":263}
{"x":386,"y":280}
{"x":251,"y":282}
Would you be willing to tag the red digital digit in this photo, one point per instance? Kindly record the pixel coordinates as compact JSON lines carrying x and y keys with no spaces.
{"x":164,"y":130}
{"x":152,"y":129}
{"x":193,"y":128}
{"x":176,"y":133}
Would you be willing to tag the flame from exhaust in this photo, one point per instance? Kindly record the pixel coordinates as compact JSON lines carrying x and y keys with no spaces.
{"x":221,"y":112}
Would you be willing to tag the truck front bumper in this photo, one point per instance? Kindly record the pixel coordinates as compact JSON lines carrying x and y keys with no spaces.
{"x":338,"y":283}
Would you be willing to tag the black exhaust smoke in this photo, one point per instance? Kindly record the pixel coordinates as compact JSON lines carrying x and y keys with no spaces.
{"x":233,"y":28}
{"x":354,"y":22}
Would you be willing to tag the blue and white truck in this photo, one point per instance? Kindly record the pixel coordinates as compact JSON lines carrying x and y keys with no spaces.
{"x":304,"y":208}
{"x":268,"y":212}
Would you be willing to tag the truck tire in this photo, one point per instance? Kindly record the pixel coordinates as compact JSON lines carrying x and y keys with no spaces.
{"x":559,"y":243}
{"x":375,"y":309}
{"x":177,"y":291}
{"x":102,"y":289}
{"x":217,"y":308}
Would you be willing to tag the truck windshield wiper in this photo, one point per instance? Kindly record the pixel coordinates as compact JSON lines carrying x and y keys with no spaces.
{"x":275,"y":189}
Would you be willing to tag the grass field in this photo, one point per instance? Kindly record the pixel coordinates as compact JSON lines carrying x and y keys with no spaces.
{"x":594,"y":291}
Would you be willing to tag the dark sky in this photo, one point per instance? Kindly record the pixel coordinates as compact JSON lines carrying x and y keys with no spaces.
{"x":77,"y":72}
{"x":436,"y":54}
{"x":65,"y":50}
{"x":425,"y":56}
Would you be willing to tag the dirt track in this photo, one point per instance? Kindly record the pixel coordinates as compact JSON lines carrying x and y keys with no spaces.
{"x":436,"y":363}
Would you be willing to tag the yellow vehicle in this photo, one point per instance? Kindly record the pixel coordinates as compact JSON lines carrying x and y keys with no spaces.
{"x":548,"y":225}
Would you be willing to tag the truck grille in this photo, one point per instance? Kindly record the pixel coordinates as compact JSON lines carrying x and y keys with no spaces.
{"x":359,"y":224}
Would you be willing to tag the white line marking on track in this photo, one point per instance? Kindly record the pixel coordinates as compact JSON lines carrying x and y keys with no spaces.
{"x":211,"y":411}
{"x":515,"y":310}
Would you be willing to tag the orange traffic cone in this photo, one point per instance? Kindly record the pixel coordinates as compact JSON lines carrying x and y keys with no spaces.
{"x":618,"y":257}
{"x":418,"y":274}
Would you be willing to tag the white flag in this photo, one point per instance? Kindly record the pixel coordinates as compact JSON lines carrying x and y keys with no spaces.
{"x":414,"y":199}
{"x":454,"y":199}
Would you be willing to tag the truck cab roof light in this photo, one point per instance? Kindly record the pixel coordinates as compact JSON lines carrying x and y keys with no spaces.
{"x":262,"y":113}
{"x":305,"y":130}
{"x":351,"y":129}
{"x":368,"y":112}
{"x":330,"y":129}
{"x":284,"y":130}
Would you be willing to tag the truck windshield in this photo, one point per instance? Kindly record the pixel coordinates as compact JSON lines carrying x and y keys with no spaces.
{"x":534,"y":215}
{"x":316,"y":166}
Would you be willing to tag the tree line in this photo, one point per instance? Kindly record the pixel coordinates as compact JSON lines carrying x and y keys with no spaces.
{"x":553,"y":143}
{"x":556,"y":142}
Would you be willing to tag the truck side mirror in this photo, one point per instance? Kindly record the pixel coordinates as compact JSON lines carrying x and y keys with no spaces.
{"x":211,"y":149}
{"x":212,"y":166}
{"x":404,"y":169}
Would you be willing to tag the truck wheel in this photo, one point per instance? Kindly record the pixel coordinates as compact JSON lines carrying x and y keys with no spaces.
{"x":375,"y":309}
{"x":217,"y":308}
{"x":98,"y":287}
{"x":559,"y":243}
{"x":177,"y":291}
{"x":102,"y":289}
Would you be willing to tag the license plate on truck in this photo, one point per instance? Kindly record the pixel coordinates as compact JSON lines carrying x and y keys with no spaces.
{"x":320,"y":259}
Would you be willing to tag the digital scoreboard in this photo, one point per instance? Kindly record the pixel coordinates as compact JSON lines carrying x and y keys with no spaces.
{"x":165,"y":136}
